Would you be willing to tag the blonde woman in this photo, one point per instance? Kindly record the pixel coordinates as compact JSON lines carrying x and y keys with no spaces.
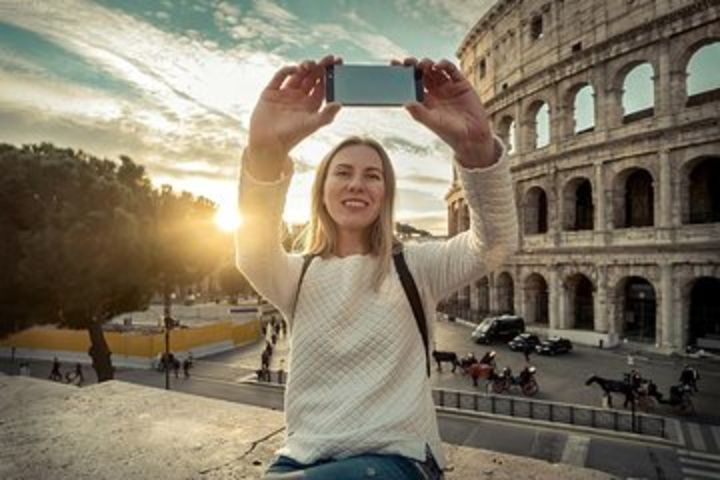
{"x":358,"y":401}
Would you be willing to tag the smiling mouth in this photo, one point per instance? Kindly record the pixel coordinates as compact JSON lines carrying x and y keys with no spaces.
{"x":354,"y":203}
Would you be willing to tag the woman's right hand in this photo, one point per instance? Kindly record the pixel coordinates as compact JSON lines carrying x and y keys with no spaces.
{"x":289,"y":110}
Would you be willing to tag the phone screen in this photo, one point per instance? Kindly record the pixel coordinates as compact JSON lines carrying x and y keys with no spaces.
{"x":373,"y":85}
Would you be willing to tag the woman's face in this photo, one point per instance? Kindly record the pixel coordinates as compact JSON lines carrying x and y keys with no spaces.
{"x":354,"y":190}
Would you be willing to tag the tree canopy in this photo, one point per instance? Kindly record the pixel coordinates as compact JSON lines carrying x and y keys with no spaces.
{"x":84,"y":239}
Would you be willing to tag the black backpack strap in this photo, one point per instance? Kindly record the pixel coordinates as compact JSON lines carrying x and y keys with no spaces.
{"x":306,"y":263}
{"x":413,"y":296}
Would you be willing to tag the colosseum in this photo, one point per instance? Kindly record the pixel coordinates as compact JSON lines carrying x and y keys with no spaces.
{"x":610,"y":110}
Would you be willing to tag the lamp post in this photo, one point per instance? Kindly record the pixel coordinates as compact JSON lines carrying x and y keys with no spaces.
{"x":169,"y":323}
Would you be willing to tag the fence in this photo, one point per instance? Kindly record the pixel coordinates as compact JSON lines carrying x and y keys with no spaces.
{"x":650,"y":425}
{"x":580,"y":415}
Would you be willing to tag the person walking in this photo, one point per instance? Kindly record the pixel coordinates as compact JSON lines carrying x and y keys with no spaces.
{"x":55,"y":374}
{"x":343,"y":298}
{"x":527,"y":350}
{"x":690,"y":376}
{"x":187,"y":365}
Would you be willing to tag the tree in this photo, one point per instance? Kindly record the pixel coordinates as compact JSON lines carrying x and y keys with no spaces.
{"x":78,"y":231}
{"x":234,"y":283}
{"x":83,"y":240}
{"x":405,"y":231}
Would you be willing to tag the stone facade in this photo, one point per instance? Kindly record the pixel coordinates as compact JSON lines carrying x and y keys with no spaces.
{"x":620,"y":220}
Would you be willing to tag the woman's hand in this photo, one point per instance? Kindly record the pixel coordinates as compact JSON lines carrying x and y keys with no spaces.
{"x":289,"y":110}
{"x":453,"y":110}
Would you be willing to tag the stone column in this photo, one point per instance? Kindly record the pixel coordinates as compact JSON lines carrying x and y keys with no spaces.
{"x":601,"y":318}
{"x":665,"y":190}
{"x":519,"y":297}
{"x":492,"y":294}
{"x":599,"y":189}
{"x":662,"y":79}
{"x":555,"y":295}
{"x":474,"y":298}
{"x":669,"y":328}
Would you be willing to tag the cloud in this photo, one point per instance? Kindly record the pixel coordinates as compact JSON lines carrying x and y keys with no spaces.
{"x":187,"y":106}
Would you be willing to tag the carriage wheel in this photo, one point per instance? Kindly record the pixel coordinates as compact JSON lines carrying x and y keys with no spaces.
{"x":498,"y":386}
{"x":530,"y":389}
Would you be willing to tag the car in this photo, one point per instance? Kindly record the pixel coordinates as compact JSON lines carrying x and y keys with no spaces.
{"x":553,"y":346}
{"x":504,"y":327}
{"x":520,"y":342}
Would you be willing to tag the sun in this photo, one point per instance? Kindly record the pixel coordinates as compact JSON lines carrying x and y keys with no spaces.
{"x":227,"y":218}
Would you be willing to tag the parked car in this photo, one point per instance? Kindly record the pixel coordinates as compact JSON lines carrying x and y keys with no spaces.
{"x":553,"y":346}
{"x":504,"y":327}
{"x":520,"y":342}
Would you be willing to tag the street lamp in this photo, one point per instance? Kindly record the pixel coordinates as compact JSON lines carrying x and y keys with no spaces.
{"x":169,"y":324}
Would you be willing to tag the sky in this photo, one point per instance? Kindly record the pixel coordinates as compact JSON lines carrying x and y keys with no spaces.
{"x":172,"y":84}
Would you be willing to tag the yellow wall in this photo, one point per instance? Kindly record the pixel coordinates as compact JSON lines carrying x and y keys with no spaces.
{"x":136,"y":344}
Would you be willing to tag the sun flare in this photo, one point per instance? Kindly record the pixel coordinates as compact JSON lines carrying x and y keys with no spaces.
{"x":228,"y":219}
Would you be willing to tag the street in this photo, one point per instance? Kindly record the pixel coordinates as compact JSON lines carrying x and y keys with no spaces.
{"x":225,"y":375}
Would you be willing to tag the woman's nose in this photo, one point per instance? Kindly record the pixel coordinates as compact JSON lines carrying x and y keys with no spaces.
{"x":356,"y":184}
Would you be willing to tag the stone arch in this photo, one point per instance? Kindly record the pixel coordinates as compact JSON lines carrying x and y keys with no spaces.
{"x":580,"y":302}
{"x":535,"y":211}
{"x":578,"y":208}
{"x":507,"y":131}
{"x":537,"y":120}
{"x":505,"y":293}
{"x":633,"y":198}
{"x":700,"y":194}
{"x":536,"y":299}
{"x":635,"y":91}
{"x":700,"y":88}
{"x":704,"y":305}
{"x":580,"y":108}
{"x":637,"y":308}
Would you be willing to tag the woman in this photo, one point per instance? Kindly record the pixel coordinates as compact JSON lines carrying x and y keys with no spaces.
{"x":358,"y":401}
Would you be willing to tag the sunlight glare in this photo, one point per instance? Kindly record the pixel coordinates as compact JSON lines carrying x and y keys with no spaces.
{"x":228,"y":219}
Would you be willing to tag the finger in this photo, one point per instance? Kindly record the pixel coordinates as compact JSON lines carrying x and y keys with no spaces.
{"x":309,"y":82}
{"x":450,"y":70}
{"x":280,"y":77}
{"x":306,"y":68}
{"x":425,"y":64}
{"x":419,"y":112}
{"x":328,"y":113}
{"x":326,"y":61}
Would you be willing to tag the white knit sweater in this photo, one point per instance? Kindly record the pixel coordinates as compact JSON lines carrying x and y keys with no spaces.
{"x":357,"y":381}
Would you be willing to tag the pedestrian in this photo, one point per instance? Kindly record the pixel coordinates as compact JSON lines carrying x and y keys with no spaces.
{"x":630,"y":360}
{"x":55,"y":374}
{"x":354,"y":301}
{"x":690,"y":376}
{"x":527,"y":350}
{"x":176,"y":367}
{"x":76,"y":375}
{"x":187,"y":365}
{"x":24,"y":369}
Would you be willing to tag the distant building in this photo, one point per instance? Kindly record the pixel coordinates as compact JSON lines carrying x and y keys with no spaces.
{"x":618,"y":194}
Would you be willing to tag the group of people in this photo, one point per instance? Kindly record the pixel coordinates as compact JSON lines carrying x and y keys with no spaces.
{"x":171,"y":361}
{"x":73,"y":376}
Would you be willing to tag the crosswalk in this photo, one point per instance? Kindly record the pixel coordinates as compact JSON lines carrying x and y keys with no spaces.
{"x":700,"y":459}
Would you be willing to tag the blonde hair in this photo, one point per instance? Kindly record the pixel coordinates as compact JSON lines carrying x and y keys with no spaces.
{"x":320,"y":234}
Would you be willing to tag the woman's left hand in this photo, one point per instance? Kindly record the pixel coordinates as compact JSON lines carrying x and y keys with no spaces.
{"x":452,"y":109}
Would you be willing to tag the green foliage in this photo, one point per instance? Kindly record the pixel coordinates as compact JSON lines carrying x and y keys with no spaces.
{"x":83,"y":239}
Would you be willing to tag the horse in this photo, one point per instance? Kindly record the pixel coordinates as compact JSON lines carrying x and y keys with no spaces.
{"x":450,"y":357}
{"x":613,"y":386}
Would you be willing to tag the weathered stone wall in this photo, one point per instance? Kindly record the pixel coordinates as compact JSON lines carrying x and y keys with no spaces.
{"x":597,"y":43}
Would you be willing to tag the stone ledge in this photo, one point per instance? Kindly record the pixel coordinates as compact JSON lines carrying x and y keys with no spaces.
{"x":118,"y":430}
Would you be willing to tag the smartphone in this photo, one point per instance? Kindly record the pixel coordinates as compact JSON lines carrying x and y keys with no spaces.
{"x":373,"y":85}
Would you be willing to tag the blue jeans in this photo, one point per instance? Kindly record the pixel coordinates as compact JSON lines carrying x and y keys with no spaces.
{"x":361,"y":467}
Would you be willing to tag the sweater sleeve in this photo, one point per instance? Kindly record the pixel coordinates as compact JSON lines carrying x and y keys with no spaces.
{"x":447,"y":266}
{"x":259,"y":254}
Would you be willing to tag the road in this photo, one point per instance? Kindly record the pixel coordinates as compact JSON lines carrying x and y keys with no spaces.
{"x":222,"y":376}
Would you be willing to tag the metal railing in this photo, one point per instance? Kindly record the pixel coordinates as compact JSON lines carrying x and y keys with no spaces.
{"x":651,"y":425}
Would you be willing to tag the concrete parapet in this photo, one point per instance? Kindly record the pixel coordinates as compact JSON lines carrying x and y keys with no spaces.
{"x":123,"y":431}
